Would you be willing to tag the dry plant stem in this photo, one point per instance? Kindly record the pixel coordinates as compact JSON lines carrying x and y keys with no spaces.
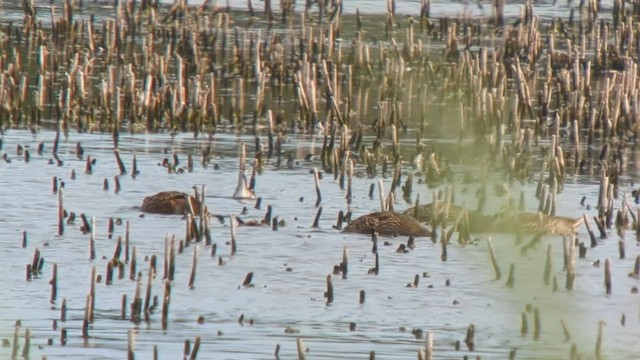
{"x":316,"y":180}
{"x":607,"y":276}
{"x":54,"y":283}
{"x":300,"y":348}
{"x":494,"y":262}
{"x":548,"y":266}
{"x":192,"y":278}
{"x":233,"y":223}
{"x":60,"y":212}
{"x":329,"y":291}
{"x":511,"y":278}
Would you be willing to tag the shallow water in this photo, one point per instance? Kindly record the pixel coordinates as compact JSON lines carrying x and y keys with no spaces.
{"x":284,"y":299}
{"x":545,"y":9}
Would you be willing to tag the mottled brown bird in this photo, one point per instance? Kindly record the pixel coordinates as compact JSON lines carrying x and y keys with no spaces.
{"x":537,"y":223}
{"x":525,"y":222}
{"x":169,"y":203}
{"x":387,"y":223}
{"x":448,"y":214}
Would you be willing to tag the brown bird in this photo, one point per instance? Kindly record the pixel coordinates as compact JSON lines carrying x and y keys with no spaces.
{"x":387,"y":223}
{"x":169,"y":203}
{"x":444,"y":214}
{"x":524,"y":222}
{"x":537,"y":223}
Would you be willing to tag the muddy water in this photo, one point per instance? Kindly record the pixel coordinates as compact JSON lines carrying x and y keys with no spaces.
{"x":284,"y":299}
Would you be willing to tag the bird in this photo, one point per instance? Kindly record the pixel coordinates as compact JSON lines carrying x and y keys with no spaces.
{"x":529,"y":222}
{"x":523,"y":222}
{"x":435,"y":211}
{"x":242,"y":190}
{"x":170,"y":203}
{"x":387,"y":223}
{"x":428,"y":213}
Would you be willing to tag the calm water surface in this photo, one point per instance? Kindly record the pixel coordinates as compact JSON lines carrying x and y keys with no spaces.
{"x":293,"y":299}
{"x":280,"y":298}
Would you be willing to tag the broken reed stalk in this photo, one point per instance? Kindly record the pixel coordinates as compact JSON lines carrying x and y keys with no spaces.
{"x":316,"y":180}
{"x":428,"y":349}
{"x":166,"y":299}
{"x":172,"y":259}
{"x":607,"y":276}
{"x":511,"y":278}
{"x":196,"y":348}
{"x":344,"y":265}
{"x":123,"y":307}
{"x":329,"y":292}
{"x":316,"y":219}
{"x":592,"y":235}
{"x":192,"y":278}
{"x":300,"y":348}
{"x":54,"y":283}
{"x":60,"y":212}
{"x":494,"y":262}
{"x":131,"y":344}
{"x":349,"y":194}
{"x":136,"y":305}
{"x":147,"y":295}
{"x":132,"y":264}
{"x":470,"y":338}
{"x":92,"y":293}
{"x":134,"y":167}
{"x":247,"y":279}
{"x":16,"y":339}
{"x":121,"y":167}
{"x":565,"y":330}
{"x":27,"y":343}
{"x":598,"y":350}
{"x":571,"y":261}
{"x":117,"y":251}
{"x":635,"y":273}
{"x":536,"y":324}
{"x":276,"y":352}
{"x":63,"y":310}
{"x":524,"y":325}
{"x":126,"y":241}
{"x":548,"y":266}
{"x":621,"y":251}
{"x":110,"y":228}
{"x":85,"y":320}
{"x":233,"y":223}
{"x":443,"y":253}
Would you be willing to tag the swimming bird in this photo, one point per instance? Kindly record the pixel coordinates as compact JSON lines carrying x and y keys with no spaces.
{"x":527,"y":222}
{"x":387,"y":223}
{"x":524,"y":222}
{"x":446,"y":214}
{"x":242,"y":189}
{"x":169,"y":203}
